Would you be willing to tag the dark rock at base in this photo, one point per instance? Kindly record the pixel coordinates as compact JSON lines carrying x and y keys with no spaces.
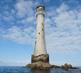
{"x":45,"y":66}
{"x":68,"y":66}
{"x":42,"y":58}
{"x":40,"y":65}
{"x":40,"y":62}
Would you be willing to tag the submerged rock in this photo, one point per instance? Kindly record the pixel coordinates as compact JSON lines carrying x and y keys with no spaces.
{"x":68,"y":66}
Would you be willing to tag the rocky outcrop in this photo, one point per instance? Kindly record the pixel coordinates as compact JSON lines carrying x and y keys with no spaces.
{"x":67,"y":67}
{"x":40,"y":65}
{"x":40,"y":62}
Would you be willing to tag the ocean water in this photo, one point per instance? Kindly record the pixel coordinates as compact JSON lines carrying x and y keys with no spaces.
{"x":28,"y":70}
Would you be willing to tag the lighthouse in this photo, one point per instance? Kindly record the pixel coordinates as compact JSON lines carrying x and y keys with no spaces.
{"x":40,"y":47}
{"x":40,"y":57}
{"x":40,"y":52}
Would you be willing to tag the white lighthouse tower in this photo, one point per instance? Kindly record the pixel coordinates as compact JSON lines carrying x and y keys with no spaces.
{"x":40,"y":53}
{"x":40,"y":47}
{"x":40,"y":58}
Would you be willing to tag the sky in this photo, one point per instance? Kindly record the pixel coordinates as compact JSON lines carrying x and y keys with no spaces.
{"x":62,"y":31}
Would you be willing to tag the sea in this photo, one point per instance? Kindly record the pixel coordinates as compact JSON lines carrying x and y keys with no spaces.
{"x":18,"y":69}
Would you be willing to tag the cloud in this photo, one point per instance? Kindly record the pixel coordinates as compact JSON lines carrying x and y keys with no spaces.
{"x":24,"y":8}
{"x":23,"y":36}
{"x":62,"y":27}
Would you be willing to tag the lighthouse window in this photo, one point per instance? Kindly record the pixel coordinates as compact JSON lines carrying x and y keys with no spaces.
{"x":39,"y":33}
{"x":42,"y":29}
{"x":42,"y":24}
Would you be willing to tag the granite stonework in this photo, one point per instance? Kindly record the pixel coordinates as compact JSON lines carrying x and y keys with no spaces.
{"x":42,"y":58}
{"x":40,"y":62}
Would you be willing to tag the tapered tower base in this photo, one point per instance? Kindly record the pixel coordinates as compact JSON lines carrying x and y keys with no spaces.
{"x":40,"y":62}
{"x":42,"y":58}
